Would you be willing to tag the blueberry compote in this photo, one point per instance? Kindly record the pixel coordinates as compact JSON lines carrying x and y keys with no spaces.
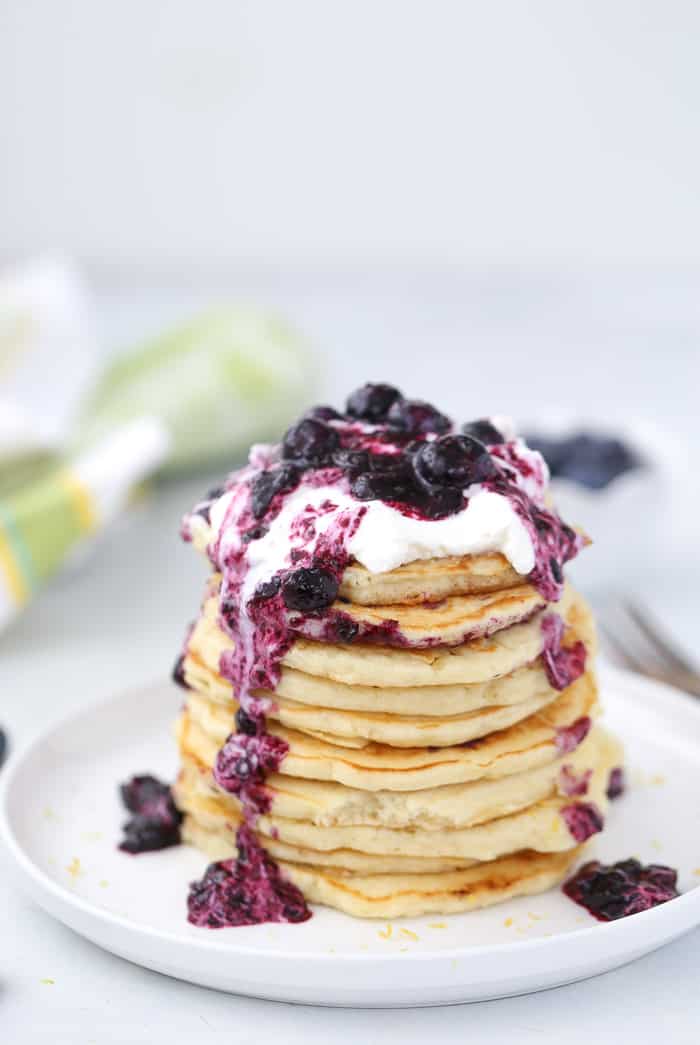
{"x":568,"y":738}
{"x":611,"y":891}
{"x":155,"y":823}
{"x":563,"y":664}
{"x":282,"y":557}
{"x":583,"y":820}
{"x":245,"y":891}
{"x":587,"y":458}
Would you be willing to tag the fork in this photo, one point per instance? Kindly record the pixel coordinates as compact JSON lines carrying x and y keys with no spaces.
{"x":637,"y":642}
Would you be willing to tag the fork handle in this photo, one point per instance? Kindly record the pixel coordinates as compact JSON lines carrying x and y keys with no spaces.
{"x":688,"y":681}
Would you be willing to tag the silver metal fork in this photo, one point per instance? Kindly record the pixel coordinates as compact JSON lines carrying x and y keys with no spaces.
{"x":636,"y":640}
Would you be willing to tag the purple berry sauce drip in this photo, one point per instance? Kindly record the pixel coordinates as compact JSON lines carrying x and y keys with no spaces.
{"x":573,"y":784}
{"x":156,"y":820}
{"x":260,"y":623}
{"x":611,"y":891}
{"x":583,"y":820}
{"x":245,"y":891}
{"x":522,"y":481}
{"x":244,"y":762}
{"x":563,"y":664}
{"x":568,"y":738}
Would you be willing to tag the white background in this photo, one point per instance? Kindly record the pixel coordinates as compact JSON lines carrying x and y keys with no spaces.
{"x":180,"y":135}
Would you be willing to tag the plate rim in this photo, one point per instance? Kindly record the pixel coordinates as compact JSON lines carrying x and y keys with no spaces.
{"x":39,"y":883}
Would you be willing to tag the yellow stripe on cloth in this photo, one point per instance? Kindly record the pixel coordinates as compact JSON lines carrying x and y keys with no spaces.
{"x":9,"y":567}
{"x":82,"y":500}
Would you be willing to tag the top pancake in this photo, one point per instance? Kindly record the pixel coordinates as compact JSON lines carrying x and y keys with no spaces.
{"x":428,"y":580}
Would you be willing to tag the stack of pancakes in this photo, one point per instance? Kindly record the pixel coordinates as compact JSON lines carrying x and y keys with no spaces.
{"x":439,"y":773}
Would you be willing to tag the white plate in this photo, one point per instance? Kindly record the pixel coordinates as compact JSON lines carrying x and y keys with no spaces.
{"x":60,"y":818}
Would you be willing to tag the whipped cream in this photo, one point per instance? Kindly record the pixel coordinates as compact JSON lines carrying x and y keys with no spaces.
{"x":385,"y":537}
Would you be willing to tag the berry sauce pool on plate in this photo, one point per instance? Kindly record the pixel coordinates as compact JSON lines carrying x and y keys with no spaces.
{"x":155,"y":823}
{"x":612,"y":891}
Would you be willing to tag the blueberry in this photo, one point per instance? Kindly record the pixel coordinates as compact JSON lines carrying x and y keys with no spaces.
{"x":396,"y":465}
{"x":352,"y":462}
{"x":440,"y":503}
{"x":417,"y":418}
{"x":309,"y":588}
{"x":143,"y":834}
{"x":664,"y":877}
{"x":345,"y":629}
{"x":253,"y":534}
{"x":310,"y":442}
{"x":267,"y":589}
{"x":454,"y":460}
{"x":143,"y":793}
{"x":245,"y":724}
{"x":156,"y":820}
{"x":554,"y":451}
{"x":178,"y":676}
{"x":372,"y":402}
{"x":434,"y":504}
{"x":268,"y":484}
{"x":376,"y":486}
{"x":590,"y":460}
{"x":484,"y":431}
{"x":324,"y":413}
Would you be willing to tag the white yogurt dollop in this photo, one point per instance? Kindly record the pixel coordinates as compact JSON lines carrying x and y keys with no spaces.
{"x":386,"y":538}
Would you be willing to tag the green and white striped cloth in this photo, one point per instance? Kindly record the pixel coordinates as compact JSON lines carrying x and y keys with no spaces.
{"x":74,"y":443}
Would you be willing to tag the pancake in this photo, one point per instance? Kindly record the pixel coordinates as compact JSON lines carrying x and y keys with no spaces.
{"x":447,"y":622}
{"x":370,"y":665}
{"x":529,"y":743}
{"x":434,"y":701}
{"x":428,"y":580}
{"x":404,"y":894}
{"x":433,"y":809}
{"x":358,"y":728}
{"x":540,"y":826}
{"x":218,"y":841}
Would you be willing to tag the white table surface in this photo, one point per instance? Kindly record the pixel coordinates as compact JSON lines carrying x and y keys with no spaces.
{"x":118,"y":621}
